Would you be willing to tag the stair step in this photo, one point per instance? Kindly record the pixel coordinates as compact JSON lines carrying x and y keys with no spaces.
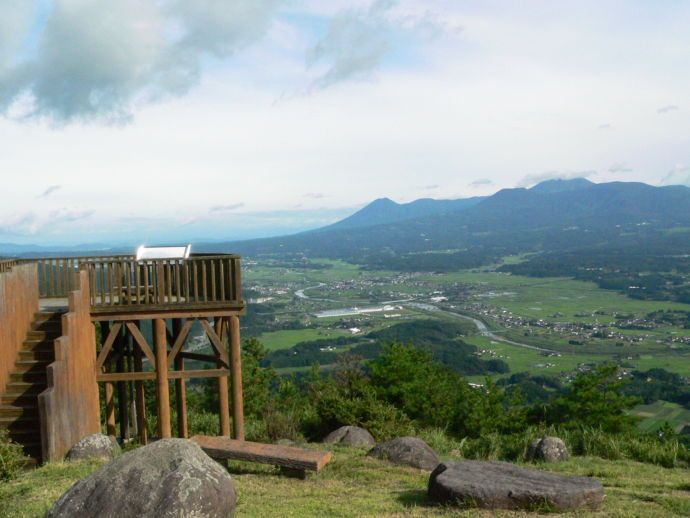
{"x":31,"y":365}
{"x":18,"y":410}
{"x":41,"y":356}
{"x":30,"y":376}
{"x":41,"y":336}
{"x":47,"y":316}
{"x":24,"y":388}
{"x":51,"y":326}
{"x":38,"y":347}
{"x":19,"y":399}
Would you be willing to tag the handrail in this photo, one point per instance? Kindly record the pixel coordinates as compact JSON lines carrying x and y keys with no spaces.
{"x":120,"y":282}
{"x":127,"y":284}
{"x":6,"y":265}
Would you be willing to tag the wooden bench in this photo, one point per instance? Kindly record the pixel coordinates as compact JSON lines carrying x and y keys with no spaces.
{"x":293,"y":461}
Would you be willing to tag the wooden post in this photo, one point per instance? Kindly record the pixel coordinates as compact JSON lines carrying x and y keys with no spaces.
{"x":180,"y":387}
{"x":140,"y":398}
{"x":109,"y":391}
{"x":236,"y":371}
{"x":163,"y":391}
{"x":223,"y":403}
{"x":122,"y":406}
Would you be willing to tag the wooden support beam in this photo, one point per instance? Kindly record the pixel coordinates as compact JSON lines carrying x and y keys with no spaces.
{"x":139,"y":338}
{"x":107,"y":344}
{"x":236,"y":369}
{"x":109,"y":389}
{"x":163,"y":390}
{"x":140,"y":398}
{"x":122,"y":409}
{"x":214,"y":339}
{"x":180,"y":387}
{"x":223,"y":396}
{"x":181,"y":338}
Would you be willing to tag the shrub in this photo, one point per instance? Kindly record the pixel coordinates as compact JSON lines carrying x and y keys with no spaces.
{"x":12,"y":458}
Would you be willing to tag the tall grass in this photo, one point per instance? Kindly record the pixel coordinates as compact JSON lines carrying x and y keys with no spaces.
{"x":591,"y":442}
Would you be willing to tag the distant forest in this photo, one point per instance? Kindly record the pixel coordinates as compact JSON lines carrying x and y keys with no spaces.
{"x":442,"y":339}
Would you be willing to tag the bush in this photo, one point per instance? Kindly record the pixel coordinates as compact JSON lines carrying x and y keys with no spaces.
{"x":12,"y":458}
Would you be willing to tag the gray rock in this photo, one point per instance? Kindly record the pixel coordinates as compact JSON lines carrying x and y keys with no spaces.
{"x":502,"y":485}
{"x":547,"y":449}
{"x":166,"y":479}
{"x":350,"y":435}
{"x":94,"y":446}
{"x":409,"y":451}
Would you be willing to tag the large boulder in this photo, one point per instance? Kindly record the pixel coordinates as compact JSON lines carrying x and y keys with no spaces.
{"x":547,"y":449}
{"x":97,"y":446}
{"x":351,"y":436}
{"x":409,"y":451}
{"x":166,"y":479}
{"x":502,"y":485}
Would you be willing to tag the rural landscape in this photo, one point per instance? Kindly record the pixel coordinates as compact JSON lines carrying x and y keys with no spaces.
{"x":355,"y":258}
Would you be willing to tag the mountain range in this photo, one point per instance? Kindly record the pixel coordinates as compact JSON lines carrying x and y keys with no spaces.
{"x":552,"y":215}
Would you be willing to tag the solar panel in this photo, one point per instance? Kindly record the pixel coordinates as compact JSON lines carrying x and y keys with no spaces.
{"x":163,"y":252}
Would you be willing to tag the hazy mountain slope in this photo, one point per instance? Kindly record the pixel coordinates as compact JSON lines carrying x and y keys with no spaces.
{"x":510,"y":221}
{"x":385,"y":210}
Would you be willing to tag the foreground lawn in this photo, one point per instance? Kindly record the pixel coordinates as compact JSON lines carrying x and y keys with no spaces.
{"x":354,"y":485}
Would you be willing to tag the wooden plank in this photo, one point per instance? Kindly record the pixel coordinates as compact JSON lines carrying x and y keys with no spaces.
{"x":151,"y":375}
{"x":180,"y":340}
{"x":139,"y":338}
{"x":108,"y":344}
{"x":146,"y":313}
{"x":287,"y":456}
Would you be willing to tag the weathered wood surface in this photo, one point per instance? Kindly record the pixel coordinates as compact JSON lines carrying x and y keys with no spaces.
{"x":18,"y":304}
{"x":151,"y":375}
{"x":69,"y":406}
{"x":286,"y":456}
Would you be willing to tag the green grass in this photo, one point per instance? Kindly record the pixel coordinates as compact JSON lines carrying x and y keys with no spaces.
{"x":355,"y":485}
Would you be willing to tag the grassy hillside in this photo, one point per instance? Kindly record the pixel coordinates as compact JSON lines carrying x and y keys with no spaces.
{"x":354,"y":485}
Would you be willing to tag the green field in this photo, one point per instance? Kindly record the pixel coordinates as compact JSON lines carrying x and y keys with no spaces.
{"x":654,"y":415}
{"x":286,"y":339}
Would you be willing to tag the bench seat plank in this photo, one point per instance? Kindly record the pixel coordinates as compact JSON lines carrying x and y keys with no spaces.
{"x":287,"y":456}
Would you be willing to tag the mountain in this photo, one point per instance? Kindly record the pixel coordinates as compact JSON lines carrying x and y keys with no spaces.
{"x":385,"y":210}
{"x":550,"y":216}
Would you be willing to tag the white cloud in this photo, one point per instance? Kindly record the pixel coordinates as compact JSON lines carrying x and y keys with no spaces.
{"x":533,"y":179}
{"x":50,"y":190}
{"x":679,"y":175}
{"x":620,"y":167}
{"x":667,"y":108}
{"x":217,"y":209}
{"x":480,"y":182}
{"x":358,"y":41}
{"x":97,"y":59}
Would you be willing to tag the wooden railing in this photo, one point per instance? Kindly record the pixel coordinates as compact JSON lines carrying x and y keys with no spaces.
{"x":7,"y":264}
{"x":121,"y":283}
{"x":126,"y":284}
{"x":56,"y":275}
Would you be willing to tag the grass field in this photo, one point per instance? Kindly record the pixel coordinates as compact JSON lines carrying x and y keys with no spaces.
{"x":356,"y":485}
{"x":286,"y":339}
{"x":654,"y":415}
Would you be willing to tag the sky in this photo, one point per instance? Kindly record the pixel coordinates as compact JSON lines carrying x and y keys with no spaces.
{"x":151,"y":121}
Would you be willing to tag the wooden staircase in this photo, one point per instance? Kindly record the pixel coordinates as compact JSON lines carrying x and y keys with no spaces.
{"x":19,"y":401}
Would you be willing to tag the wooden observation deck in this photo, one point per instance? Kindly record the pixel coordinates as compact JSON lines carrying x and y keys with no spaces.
{"x":68,"y":323}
